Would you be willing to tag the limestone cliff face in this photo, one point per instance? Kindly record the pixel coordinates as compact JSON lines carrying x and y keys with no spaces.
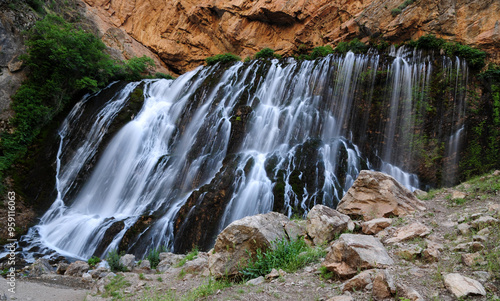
{"x":184,"y":32}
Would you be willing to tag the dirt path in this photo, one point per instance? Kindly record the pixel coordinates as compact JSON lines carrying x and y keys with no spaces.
{"x":32,"y":291}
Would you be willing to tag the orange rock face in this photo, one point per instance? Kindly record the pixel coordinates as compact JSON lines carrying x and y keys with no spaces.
{"x":184,"y":32}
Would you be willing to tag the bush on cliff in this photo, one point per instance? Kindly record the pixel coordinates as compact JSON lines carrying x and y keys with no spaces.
{"x":355,"y":46}
{"x":474,"y":57}
{"x":222,"y":58}
{"x":267,"y":53}
{"x":62,"y":60}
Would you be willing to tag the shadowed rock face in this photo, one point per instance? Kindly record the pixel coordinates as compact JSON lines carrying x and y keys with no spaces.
{"x":183,"y":33}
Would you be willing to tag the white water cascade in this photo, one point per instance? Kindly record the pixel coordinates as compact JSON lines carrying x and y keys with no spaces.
{"x":296,"y":147}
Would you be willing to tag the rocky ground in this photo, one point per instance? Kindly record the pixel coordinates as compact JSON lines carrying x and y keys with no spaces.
{"x":449,"y":251}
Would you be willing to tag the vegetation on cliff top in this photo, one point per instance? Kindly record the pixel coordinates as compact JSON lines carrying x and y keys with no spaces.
{"x":63,"y":60}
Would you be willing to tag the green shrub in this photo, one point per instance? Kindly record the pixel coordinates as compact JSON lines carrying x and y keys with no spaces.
{"x":284,"y":254}
{"x":474,"y":57}
{"x":114,"y":287}
{"x":225,"y":58}
{"x":355,"y":46}
{"x":113,"y":259}
{"x":62,"y":60}
{"x":395,"y":11}
{"x":135,"y":68}
{"x":154,"y":256}
{"x":93,"y":261}
{"x":163,"y":75}
{"x":190,"y":256}
{"x":266,"y":53}
{"x":320,"y":51}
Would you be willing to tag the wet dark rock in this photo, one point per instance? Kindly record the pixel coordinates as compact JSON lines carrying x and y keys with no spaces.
{"x":108,"y":237}
{"x":132,"y":233}
{"x":197,"y":222}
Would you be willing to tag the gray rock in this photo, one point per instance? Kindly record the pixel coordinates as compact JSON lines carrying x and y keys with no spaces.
{"x":383,"y":285}
{"x":483,"y":276}
{"x":484,"y":221}
{"x":409,"y":293}
{"x":86,"y":277}
{"x":197,"y":265}
{"x":354,"y":251}
{"x":464,"y":229}
{"x":462,"y":286}
{"x":341,"y":298}
{"x":413,"y":230}
{"x":77,"y":268}
{"x":145,"y":264}
{"x":359,"y":282}
{"x":324,"y":223}
{"x":128,"y":261}
{"x":374,"y":226}
{"x":99,"y":272}
{"x":256,"y":281}
{"x":409,"y":252}
{"x":241,"y":239}
{"x":40,"y":267}
{"x":61,"y":268}
{"x":168,"y":260}
{"x":456,"y":195}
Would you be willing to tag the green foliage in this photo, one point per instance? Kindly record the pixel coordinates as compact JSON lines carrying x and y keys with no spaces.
{"x":395,"y":11}
{"x":134,"y":68}
{"x":62,"y":60}
{"x":325,"y":274}
{"x":113,"y":288}
{"x":266,"y":53}
{"x":284,"y":254}
{"x":355,"y":46}
{"x":399,"y":9}
{"x":483,"y":185}
{"x":93,"y":261}
{"x":113,"y":260}
{"x":163,"y":75}
{"x":190,"y":256}
{"x":481,"y":153}
{"x":317,"y":52}
{"x":320,"y":51}
{"x":225,"y":58}
{"x":154,"y":256}
{"x":492,"y":256}
{"x":474,"y":57}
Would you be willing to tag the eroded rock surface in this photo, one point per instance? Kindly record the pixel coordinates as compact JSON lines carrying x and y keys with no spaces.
{"x":242,"y":238}
{"x":185,"y":32}
{"x":376,"y":195}
{"x":353,"y":252}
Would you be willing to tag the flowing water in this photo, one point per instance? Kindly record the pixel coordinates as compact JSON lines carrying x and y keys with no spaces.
{"x":293,"y":134}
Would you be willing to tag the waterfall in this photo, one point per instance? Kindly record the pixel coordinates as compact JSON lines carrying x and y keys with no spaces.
{"x":220,"y":143}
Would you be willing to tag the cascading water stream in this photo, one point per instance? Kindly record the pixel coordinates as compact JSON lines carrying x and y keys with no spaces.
{"x":247,"y":139}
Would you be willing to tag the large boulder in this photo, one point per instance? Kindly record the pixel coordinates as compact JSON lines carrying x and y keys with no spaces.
{"x":374,"y":226}
{"x":411,"y":231}
{"x":241,"y":239}
{"x":353,"y":252}
{"x":128,"y":261}
{"x":40,"y":267}
{"x":462,"y":286}
{"x":324,"y":223}
{"x":375,"y":195}
{"x":77,"y":269}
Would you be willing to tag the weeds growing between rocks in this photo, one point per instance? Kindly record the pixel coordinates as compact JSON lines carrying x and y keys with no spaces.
{"x":286,"y":255}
